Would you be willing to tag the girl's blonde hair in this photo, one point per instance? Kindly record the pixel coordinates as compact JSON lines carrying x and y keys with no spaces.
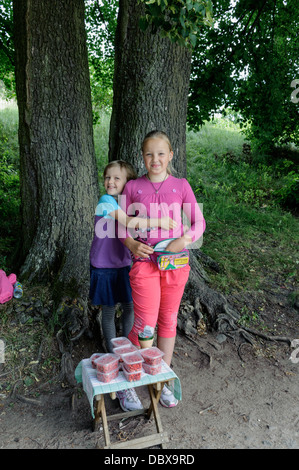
{"x":159,"y":135}
{"x":131,"y":172}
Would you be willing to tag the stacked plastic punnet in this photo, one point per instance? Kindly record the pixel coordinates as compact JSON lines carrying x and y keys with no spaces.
{"x":132,"y":366}
{"x":152,"y":360}
{"x":107,"y":366}
{"x":129,"y":358}
{"x":122,"y":345}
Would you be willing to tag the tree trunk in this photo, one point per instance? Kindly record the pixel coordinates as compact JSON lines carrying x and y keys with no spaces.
{"x":151,"y":83}
{"x":58,"y":171}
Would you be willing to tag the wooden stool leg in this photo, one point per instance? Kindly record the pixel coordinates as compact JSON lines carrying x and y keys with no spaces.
{"x":154,"y":400}
{"x":97,"y":413}
{"x":157,"y":390}
{"x":100,"y":412}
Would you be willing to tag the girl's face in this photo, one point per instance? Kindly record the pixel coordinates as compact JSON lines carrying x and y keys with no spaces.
{"x":156,"y":156}
{"x":115,"y":180}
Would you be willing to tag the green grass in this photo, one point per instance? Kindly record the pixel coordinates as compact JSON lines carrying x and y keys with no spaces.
{"x":248,"y":233}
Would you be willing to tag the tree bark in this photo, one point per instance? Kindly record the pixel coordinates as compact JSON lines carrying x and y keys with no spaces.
{"x":58,"y":170}
{"x":151,"y":83}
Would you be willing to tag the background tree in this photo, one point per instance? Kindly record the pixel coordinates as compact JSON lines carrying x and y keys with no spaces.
{"x":151,"y":82}
{"x":247,"y":62}
{"x":57,"y":162}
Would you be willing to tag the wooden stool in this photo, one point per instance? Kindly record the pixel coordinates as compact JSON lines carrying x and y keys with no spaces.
{"x":158,"y":438}
{"x":96,"y":391}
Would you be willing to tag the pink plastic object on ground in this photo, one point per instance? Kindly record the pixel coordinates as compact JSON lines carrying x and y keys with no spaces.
{"x":6,"y":286}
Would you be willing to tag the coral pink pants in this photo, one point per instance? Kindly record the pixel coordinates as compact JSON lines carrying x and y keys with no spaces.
{"x":157,"y":296}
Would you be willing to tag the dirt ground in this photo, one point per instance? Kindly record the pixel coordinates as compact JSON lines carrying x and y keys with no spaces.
{"x":235,"y":395}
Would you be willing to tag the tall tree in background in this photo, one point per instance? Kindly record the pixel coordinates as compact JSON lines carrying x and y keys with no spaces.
{"x":57,"y":163}
{"x":150,"y":91}
{"x":247,"y":62}
{"x":151,"y":76}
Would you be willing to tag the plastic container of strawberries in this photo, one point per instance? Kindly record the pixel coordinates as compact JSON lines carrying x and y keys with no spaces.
{"x":106,"y":378}
{"x":107,"y":363}
{"x":93,"y":357}
{"x":132,"y":361}
{"x":120,"y":341}
{"x":152,"y":356}
{"x":152,"y":370}
{"x":121,"y":350}
{"x":132,"y":376}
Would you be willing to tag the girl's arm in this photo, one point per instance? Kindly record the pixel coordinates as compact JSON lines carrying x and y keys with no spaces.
{"x":179,"y":244}
{"x":197,"y":222}
{"x":140,"y":250}
{"x":138,"y":222}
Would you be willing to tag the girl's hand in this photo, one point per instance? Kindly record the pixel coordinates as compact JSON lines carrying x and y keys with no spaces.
{"x":179,"y":244}
{"x":140,"y":250}
{"x":167,"y":223}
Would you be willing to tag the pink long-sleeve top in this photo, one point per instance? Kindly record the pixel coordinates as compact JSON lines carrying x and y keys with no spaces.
{"x":174,"y":196}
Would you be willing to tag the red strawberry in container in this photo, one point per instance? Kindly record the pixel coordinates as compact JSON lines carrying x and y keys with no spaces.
{"x":121,"y":350}
{"x":152,"y":356}
{"x":107,"y":363}
{"x":132,"y":361}
{"x":120,"y":341}
{"x":93,"y":357}
{"x":106,"y":378}
{"x":132,"y":376}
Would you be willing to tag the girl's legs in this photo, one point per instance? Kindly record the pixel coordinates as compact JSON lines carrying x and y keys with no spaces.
{"x":157,"y":296}
{"x":108,"y":322}
{"x":172,"y":289}
{"x":145,"y":283}
{"x":128,"y":399}
{"x":108,"y":325}
{"x":127,"y":317}
{"x":167,"y":346}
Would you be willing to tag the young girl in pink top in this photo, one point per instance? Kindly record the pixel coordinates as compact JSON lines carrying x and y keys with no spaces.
{"x":156,"y":291}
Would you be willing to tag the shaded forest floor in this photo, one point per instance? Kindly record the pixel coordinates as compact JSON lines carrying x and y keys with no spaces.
{"x":235,"y":394}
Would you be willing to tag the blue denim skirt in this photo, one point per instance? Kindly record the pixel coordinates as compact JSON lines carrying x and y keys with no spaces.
{"x":109,"y":286}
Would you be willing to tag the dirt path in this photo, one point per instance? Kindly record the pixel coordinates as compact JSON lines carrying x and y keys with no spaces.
{"x":230,"y":401}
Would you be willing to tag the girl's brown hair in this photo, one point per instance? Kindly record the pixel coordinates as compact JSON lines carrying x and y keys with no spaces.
{"x":131,"y":173}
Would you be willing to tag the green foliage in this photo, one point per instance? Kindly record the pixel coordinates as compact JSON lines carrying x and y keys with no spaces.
{"x":101,"y":19}
{"x":7,"y":48}
{"x":9,"y":146}
{"x":248,"y":62}
{"x":9,"y":184}
{"x":179,"y":20}
{"x":249,"y":231}
{"x":288,"y":193}
{"x":101,"y":139}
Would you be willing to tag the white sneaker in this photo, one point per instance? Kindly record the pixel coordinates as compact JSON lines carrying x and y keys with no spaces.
{"x":129,"y":400}
{"x":167,"y":398}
